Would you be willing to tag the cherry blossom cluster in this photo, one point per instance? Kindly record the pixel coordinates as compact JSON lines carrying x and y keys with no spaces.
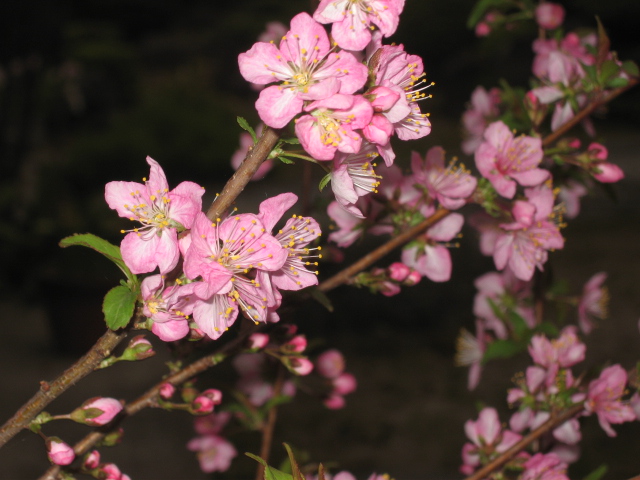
{"x":545,"y":388}
{"x":231,"y":265}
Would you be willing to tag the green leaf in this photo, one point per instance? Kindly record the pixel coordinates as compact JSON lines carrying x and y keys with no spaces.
{"x":617,"y":82}
{"x":502,"y":349}
{"x":608,"y":70}
{"x":548,"y":329}
{"x":324,"y":182}
{"x":286,"y":160}
{"x":275,"y":401}
{"x":100,"y":245}
{"x":520,"y":327}
{"x":322,"y":298}
{"x":270,"y":473}
{"x":604,"y":44}
{"x":630,"y":68}
{"x":290,"y":141}
{"x":598,"y":473}
{"x":245,"y":126}
{"x":480,"y":8}
{"x":295,"y":470}
{"x":591,"y":71}
{"x":118,"y":306}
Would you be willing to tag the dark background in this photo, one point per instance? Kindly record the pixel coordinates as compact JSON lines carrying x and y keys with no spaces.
{"x":89,"y":88}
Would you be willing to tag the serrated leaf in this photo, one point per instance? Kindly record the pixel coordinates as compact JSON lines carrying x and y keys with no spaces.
{"x":295,"y":470}
{"x":245,"y":126}
{"x":630,"y":68}
{"x":286,"y":160}
{"x":322,"y":298}
{"x":118,"y":306}
{"x":598,"y":473}
{"x":480,"y":8}
{"x":324,"y":182}
{"x":102,"y":246}
{"x":502,"y":349}
{"x":270,"y":473}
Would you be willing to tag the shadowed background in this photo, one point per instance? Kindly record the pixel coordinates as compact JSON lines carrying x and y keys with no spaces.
{"x":88,"y":89}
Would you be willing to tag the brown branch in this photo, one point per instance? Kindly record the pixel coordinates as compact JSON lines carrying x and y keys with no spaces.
{"x":546,"y":427}
{"x":370,"y":258}
{"x":149,"y":398}
{"x":50,"y":391}
{"x":239,"y":180}
{"x":269,"y":428}
{"x":585,"y":112}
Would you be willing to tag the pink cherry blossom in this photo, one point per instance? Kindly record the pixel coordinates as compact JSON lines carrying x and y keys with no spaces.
{"x":331,"y":125}
{"x":92,"y":460}
{"x":397,"y":70}
{"x":352,"y":21}
{"x":570,"y":195}
{"x":544,"y":466}
{"x":565,"y":351}
{"x":572,"y":50}
{"x":482,"y":109}
{"x":549,"y":15}
{"x":214,"y":453}
{"x":432,"y":259}
{"x":593,"y":302}
{"x":169,"y":308}
{"x":221,"y":255}
{"x":450,"y":185}
{"x":523,"y":244}
{"x":344,"y":384}
{"x":59,"y":452}
{"x":487,"y":436}
{"x":160,"y":211}
{"x":398,"y":271}
{"x":470,"y":352}
{"x":505,"y":160}
{"x":604,"y":399}
{"x":307,"y":67}
{"x":297,"y":271}
{"x":205,"y":402}
{"x":353,"y":176}
{"x":330,"y":364}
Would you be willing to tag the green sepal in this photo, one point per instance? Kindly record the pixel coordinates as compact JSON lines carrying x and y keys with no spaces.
{"x":270,"y":473}
{"x":290,"y":141}
{"x":324,"y":182}
{"x":102,"y":246}
{"x":118,"y":307}
{"x":630,"y":68}
{"x":286,"y":160}
{"x":245,"y":126}
{"x":598,"y":473}
{"x":617,"y":82}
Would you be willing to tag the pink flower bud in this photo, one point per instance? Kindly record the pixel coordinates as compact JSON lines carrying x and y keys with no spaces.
{"x":97,"y":411}
{"x":92,"y":460}
{"x":334,"y":402}
{"x":482,"y":29}
{"x":389,"y":289}
{"x":575,"y":143}
{"x":139,"y":348}
{"x":297,"y":344}
{"x":344,"y":384}
{"x":166,"y":391}
{"x":258,"y":340}
{"x":398,"y":271}
{"x":413,"y":278}
{"x":59,"y":452}
{"x":607,"y":172}
{"x":112,"y":472}
{"x":598,"y":151}
{"x":300,"y":365}
{"x":330,"y":364}
{"x":549,"y":15}
{"x":205,"y":402}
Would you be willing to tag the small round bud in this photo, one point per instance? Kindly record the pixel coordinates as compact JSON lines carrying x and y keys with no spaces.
{"x":59,"y":452}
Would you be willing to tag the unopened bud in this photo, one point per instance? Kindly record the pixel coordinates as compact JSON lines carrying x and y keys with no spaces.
{"x":92,"y":460}
{"x":166,"y":391}
{"x":298,"y":365}
{"x":59,"y":452}
{"x":398,"y":271}
{"x":97,"y":411}
{"x":139,"y":348}
{"x":344,"y":384}
{"x":334,"y":402}
{"x":297,"y":344}
{"x":413,"y":278}
{"x":206,"y":401}
{"x":549,"y":15}
{"x":258,"y":341}
{"x":330,"y":364}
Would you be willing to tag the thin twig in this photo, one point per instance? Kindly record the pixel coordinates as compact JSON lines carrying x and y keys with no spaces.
{"x":50,"y":391}
{"x":375,"y":255}
{"x":546,"y":427}
{"x":585,"y":112}
{"x":270,"y":426}
{"x":239,"y":180}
